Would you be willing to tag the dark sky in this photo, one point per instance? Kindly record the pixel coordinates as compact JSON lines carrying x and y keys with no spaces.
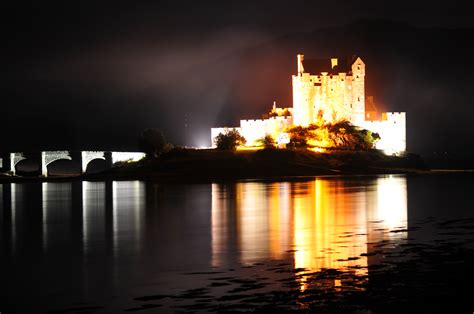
{"x":94,"y":74}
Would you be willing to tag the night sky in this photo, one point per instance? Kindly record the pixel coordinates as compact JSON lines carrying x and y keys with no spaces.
{"x":94,"y":74}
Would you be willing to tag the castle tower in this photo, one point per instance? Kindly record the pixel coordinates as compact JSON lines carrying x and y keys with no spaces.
{"x":303,"y":95}
{"x":358,"y":92}
{"x":331,"y":89}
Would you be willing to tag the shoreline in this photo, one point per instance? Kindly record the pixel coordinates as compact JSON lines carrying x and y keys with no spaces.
{"x":188,"y":166}
{"x":96,"y":177}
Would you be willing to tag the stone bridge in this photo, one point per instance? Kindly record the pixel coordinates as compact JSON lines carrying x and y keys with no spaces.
{"x":9,"y":161}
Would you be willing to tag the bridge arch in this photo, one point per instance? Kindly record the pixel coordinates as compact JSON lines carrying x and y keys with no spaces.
{"x":15,"y":158}
{"x":51,"y":156}
{"x":88,"y":156}
{"x":10,"y":160}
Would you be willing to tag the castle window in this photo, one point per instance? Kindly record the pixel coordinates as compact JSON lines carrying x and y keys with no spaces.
{"x":358,"y":67}
{"x":358,"y":98}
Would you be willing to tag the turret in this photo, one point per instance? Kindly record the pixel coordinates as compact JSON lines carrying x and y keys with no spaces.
{"x":358,"y":92}
{"x":300,"y":59}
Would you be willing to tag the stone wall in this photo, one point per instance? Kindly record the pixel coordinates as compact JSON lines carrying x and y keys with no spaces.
{"x":392,"y":131}
{"x":254,"y":130}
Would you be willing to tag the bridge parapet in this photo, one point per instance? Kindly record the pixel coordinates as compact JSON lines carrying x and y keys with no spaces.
{"x":127,"y":156}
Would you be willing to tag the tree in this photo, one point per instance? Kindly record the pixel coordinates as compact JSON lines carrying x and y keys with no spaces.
{"x":299,"y":135}
{"x":153,"y":142}
{"x":267,"y":141}
{"x":229,"y":140}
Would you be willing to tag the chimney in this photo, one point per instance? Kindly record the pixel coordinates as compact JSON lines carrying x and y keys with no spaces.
{"x":333,"y":63}
{"x":300,"y":63}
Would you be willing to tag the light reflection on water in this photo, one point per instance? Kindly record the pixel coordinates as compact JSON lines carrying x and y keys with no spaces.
{"x":93,"y":213}
{"x":319,"y":224}
{"x":56,"y":212}
{"x":133,"y":234}
{"x":128,"y":214}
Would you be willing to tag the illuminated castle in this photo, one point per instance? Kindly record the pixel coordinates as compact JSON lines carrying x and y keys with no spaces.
{"x":332,"y":90}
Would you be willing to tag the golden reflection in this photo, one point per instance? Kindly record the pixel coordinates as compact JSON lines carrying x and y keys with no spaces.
{"x":391,"y":203}
{"x":279,"y":208}
{"x":220,"y":223}
{"x":330,"y":228}
{"x":252,"y":221}
{"x":319,"y":224}
{"x":251,"y":218}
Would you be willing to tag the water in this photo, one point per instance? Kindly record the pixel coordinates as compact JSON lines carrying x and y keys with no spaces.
{"x":103,"y":246}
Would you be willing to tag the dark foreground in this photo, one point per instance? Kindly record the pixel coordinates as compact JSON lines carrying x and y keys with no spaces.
{"x":367,"y":244}
{"x":411,"y":277}
{"x":405,"y":277}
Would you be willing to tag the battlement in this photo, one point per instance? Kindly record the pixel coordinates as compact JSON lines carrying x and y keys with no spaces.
{"x":395,"y":114}
{"x":392,"y":116}
{"x":252,"y":121}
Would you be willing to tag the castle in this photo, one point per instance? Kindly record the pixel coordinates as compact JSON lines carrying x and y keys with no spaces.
{"x":332,"y":90}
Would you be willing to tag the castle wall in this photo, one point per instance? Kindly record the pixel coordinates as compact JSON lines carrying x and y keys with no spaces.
{"x":333,"y":97}
{"x":392,"y":131}
{"x":255,"y":130}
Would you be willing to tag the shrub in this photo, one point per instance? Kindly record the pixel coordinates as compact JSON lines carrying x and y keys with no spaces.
{"x":153,"y":142}
{"x":229,"y":140}
{"x":267,"y":141}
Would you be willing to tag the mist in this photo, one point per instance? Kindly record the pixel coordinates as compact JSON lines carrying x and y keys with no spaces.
{"x":94,"y":77}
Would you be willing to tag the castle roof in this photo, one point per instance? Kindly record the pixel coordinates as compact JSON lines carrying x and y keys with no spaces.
{"x":316,"y":66}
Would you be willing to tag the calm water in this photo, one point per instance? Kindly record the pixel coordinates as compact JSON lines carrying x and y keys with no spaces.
{"x":98,"y":246}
